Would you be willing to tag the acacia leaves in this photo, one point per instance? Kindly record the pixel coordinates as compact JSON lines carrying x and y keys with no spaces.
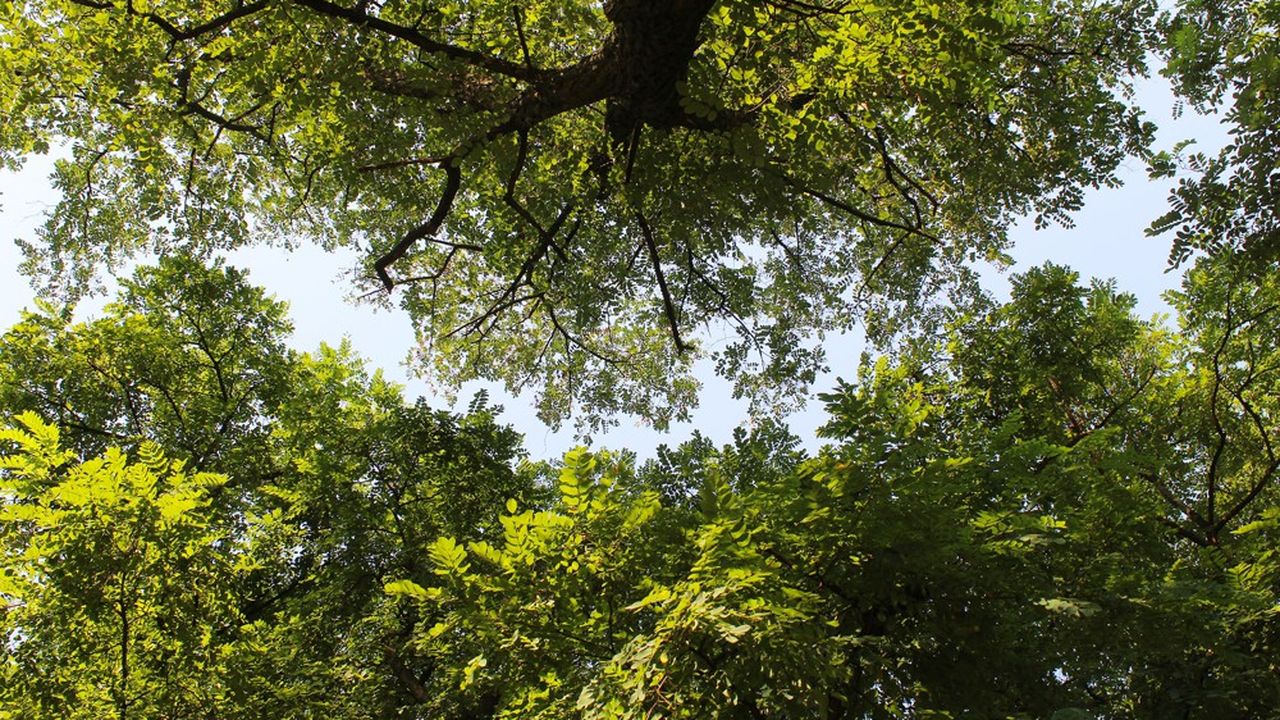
{"x":1056,"y":510}
{"x":1221,"y":58}
{"x":190,"y":357}
{"x":569,"y":194}
{"x":1041,"y":508}
{"x":975,"y":541}
{"x":115,"y":582}
{"x":259,"y":595}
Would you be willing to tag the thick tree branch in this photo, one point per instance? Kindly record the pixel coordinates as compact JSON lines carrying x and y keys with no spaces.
{"x":1254,"y":491}
{"x":208,"y":27}
{"x":810,"y":9}
{"x":179,"y":34}
{"x":406,"y":675}
{"x":509,"y":193}
{"x":1184,"y":533}
{"x":358,"y":17}
{"x":190,"y":106}
{"x":518,"y":14}
{"x":1218,"y":428}
{"x":1174,"y":500}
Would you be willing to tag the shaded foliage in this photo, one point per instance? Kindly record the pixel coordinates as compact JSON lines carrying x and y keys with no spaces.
{"x":1056,"y":510}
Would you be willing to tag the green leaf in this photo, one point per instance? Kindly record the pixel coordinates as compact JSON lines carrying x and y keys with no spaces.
{"x":406,"y":588}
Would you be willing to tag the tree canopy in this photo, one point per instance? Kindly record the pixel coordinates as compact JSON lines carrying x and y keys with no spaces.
{"x":211,"y":530}
{"x":971,"y":544}
{"x":1045,"y":507}
{"x":1054,"y":510}
{"x":562,"y":194}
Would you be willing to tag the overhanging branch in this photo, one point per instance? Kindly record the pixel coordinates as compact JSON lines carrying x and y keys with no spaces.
{"x":180,"y":34}
{"x":358,"y":17}
{"x":668,"y":307}
{"x":851,"y":210}
{"x":453,"y":180}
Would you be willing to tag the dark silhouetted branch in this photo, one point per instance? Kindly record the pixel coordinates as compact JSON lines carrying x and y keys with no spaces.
{"x":668,"y":307}
{"x":453,"y":180}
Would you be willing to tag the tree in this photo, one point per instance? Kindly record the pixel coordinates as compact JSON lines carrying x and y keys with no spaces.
{"x":990,"y":534}
{"x":265,"y":591}
{"x":565,"y":192}
{"x":113,"y":582}
{"x":190,"y":357}
{"x":1056,"y":510}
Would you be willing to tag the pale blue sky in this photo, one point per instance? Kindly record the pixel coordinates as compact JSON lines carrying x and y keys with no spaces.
{"x":1107,"y":242}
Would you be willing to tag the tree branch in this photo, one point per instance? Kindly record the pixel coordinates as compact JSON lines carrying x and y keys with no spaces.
{"x":524,"y":276}
{"x":573,"y":340}
{"x":1174,"y":500}
{"x":406,"y":675}
{"x":453,"y":180}
{"x":667,"y":306}
{"x":359,"y":18}
{"x":851,"y":210}
{"x":518,"y":14}
{"x":179,"y":34}
{"x":1254,"y":491}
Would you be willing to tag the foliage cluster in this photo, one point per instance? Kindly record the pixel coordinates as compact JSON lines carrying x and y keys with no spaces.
{"x":134,"y":588}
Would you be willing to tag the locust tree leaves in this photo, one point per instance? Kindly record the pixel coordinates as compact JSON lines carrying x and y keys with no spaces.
{"x":191,"y":357}
{"x":116,"y":586}
{"x":1056,"y":510}
{"x":1222,"y":58}
{"x":567,"y":194}
{"x":994,"y":533}
{"x":331,"y":483}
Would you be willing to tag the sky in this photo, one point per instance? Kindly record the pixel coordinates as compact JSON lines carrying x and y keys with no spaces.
{"x":1107,"y":241}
